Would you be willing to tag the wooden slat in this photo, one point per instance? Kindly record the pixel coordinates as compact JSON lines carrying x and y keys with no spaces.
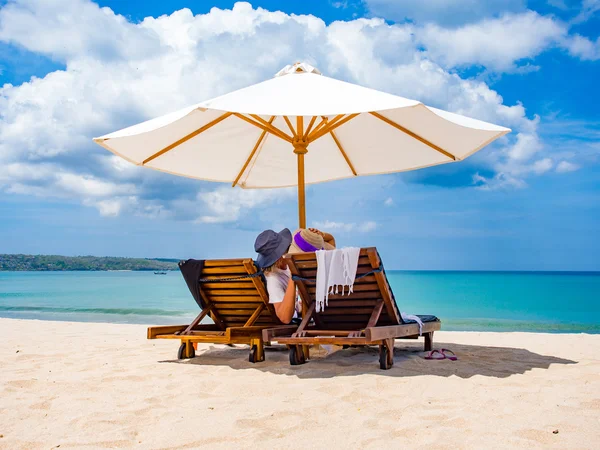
{"x":312,"y":263}
{"x":234,"y":305}
{"x":235,"y":298}
{"x":368,"y":295}
{"x":237,"y":270}
{"x":241,"y":284}
{"x":232,"y":292}
{"x":223,"y":262}
{"x":346,"y":318}
{"x":329,"y":311}
{"x":365,"y":280}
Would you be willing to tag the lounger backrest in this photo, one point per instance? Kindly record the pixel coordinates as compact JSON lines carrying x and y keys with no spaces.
{"x":237,"y":299}
{"x":349,"y":312}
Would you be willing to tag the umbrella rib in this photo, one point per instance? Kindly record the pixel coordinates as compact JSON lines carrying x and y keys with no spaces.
{"x":414,"y":135}
{"x":187,"y":138}
{"x":333,"y":125}
{"x":319,"y":126}
{"x":264,"y":125}
{"x":339,"y":146}
{"x":310,"y":125}
{"x":324,"y":123}
{"x":271,"y":127}
{"x":289,"y":124}
{"x":256,"y":147}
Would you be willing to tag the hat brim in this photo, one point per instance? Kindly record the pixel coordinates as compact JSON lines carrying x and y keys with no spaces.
{"x":268,"y":260}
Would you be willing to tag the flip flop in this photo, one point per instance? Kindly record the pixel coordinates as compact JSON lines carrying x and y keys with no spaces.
{"x":432,"y":355}
{"x":451,"y":357}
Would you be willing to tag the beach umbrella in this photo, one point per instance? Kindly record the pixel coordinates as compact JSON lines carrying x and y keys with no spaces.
{"x":298,"y":128}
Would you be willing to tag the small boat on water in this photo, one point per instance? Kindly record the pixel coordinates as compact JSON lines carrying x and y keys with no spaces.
{"x":160,"y":273}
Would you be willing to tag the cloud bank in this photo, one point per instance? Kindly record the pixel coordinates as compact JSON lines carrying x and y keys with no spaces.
{"x":117,"y":73}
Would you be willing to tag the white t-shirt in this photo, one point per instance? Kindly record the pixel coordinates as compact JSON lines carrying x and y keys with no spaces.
{"x":277,"y":283}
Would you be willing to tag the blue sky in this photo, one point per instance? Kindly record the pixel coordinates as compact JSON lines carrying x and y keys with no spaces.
{"x":74,"y":69}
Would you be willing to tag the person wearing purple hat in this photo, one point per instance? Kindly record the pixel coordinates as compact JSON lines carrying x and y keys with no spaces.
{"x":271,"y":246}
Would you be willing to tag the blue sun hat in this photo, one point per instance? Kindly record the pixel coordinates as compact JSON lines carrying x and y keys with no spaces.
{"x":271,"y":246}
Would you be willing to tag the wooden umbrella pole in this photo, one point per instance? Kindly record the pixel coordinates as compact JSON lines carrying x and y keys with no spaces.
{"x":300,"y":149}
{"x":301,"y":192}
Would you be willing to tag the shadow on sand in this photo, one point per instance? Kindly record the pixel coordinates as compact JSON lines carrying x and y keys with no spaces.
{"x":499,"y":362}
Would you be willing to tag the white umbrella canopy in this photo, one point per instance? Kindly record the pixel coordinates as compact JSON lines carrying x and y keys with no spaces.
{"x":298,"y":128}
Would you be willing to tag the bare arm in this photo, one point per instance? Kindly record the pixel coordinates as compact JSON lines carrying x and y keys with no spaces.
{"x":327,"y":237}
{"x":285,"y":309}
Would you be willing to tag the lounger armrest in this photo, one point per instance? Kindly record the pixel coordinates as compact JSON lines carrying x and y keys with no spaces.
{"x":284,"y":330}
{"x":391,"y":331}
{"x":399,"y":331}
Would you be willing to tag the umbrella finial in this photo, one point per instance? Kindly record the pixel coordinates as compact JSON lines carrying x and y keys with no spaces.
{"x":298,"y":67}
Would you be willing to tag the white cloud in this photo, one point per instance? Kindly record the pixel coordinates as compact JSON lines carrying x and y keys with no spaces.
{"x":331,"y":226}
{"x":447,"y":12}
{"x":227,"y":204}
{"x":542,"y":166}
{"x":588,"y":9}
{"x":496,"y":43}
{"x":365,"y":227}
{"x":525,"y":147}
{"x":388,"y":201}
{"x":499,"y":181}
{"x":566,"y":166}
{"x":582,"y":47}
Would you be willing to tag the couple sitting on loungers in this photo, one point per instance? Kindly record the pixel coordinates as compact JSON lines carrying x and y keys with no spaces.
{"x":271,"y":247}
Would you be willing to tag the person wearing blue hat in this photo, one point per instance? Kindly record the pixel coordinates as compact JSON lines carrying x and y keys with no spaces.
{"x":271,"y":246}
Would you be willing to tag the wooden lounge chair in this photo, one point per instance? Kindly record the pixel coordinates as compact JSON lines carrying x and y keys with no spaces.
{"x":232,"y":293}
{"x":368,"y":316}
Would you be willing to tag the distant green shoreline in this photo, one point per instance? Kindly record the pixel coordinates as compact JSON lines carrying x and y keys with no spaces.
{"x":57,"y":263}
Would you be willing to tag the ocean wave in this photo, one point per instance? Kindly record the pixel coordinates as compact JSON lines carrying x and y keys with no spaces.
{"x":510,"y":325}
{"x":112,"y":311}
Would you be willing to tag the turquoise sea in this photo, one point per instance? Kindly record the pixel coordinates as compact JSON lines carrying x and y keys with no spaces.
{"x":479,"y":301}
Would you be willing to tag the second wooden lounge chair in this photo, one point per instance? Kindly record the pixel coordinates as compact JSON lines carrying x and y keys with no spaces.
{"x":233,"y":294}
{"x":368,"y":316}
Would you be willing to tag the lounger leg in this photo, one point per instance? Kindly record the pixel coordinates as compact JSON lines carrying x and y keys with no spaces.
{"x":390,"y":346}
{"x":306,"y":351}
{"x":428,"y":341}
{"x":186,"y":350}
{"x":257,"y":351}
{"x":386,"y":354}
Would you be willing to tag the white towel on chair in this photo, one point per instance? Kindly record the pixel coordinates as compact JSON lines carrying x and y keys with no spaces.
{"x":407,"y":317}
{"x":335,"y":268}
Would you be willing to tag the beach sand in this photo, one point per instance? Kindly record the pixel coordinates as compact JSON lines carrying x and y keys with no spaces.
{"x":83,"y":385}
